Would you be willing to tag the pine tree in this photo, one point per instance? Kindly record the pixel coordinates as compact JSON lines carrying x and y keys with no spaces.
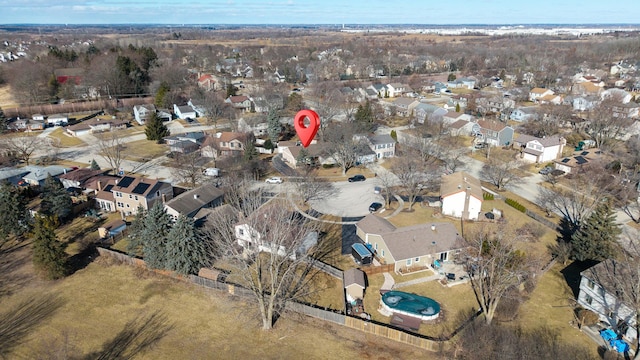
{"x":161,"y":94}
{"x":13,"y":207}
{"x":186,"y":250}
{"x":157,"y":224}
{"x":94,"y":165}
{"x":134,"y":246}
{"x":273,"y":126}
{"x":155,"y":129}
{"x":49,"y":256}
{"x":3,"y":122}
{"x":597,"y":235}
{"x":457,"y":107}
{"x":55,"y":199}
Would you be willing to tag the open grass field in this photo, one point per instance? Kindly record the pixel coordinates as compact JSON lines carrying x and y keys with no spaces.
{"x":64,"y":140}
{"x":143,"y":150}
{"x":109,"y":309}
{"x":6,"y":97}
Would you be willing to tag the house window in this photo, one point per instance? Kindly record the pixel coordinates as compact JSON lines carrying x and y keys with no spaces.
{"x":136,"y":197}
{"x":591,"y":284}
{"x":120,"y":204}
{"x":382,"y":253}
{"x":416,"y":259}
{"x":130,"y":196}
{"x":128,"y":205}
{"x":118,"y":194}
{"x":408,"y":262}
{"x":375,"y":246}
{"x":588,"y":299}
{"x":240,"y":232}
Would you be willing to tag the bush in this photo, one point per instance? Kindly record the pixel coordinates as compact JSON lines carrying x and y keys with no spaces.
{"x":586,"y":317}
{"x":327,"y":166}
{"x":487,"y":196}
{"x":516,"y":205}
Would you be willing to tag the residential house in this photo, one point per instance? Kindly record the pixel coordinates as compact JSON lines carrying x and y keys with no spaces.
{"x":18,"y":124}
{"x":440,"y":88}
{"x":198,"y":107}
{"x":585,"y":103}
{"x":494,"y":133}
{"x":618,"y":95}
{"x":600,"y":292}
{"x":524,"y":113}
{"x":225,"y":144}
{"x":189,"y":203}
{"x":427,"y":112}
{"x":79,"y":177}
{"x":461,"y":196}
{"x":456,"y":100}
{"x":207,"y":82}
{"x":405,"y":105}
{"x":540,"y":150}
{"x":622,"y":67}
{"x":462,"y":83}
{"x":586,"y":88}
{"x":255,"y":125}
{"x":397,"y":89}
{"x":628,"y":110}
{"x":57,"y":120}
{"x":14,"y":175}
{"x":184,"y":112}
{"x":451,"y":116}
{"x":185,"y":143}
{"x":277,"y":77}
{"x":34,"y":125}
{"x":380,"y":89}
{"x":461,"y":128}
{"x":294,"y":154}
{"x":536,"y":93}
{"x":409,"y":248}
{"x":254,"y":233}
{"x":497,"y":104}
{"x":126,"y":194}
{"x":239,"y":102}
{"x":574,"y":163}
{"x":383,"y":146}
{"x":550,"y":99}
{"x":37,"y":174}
{"x":143,"y":112}
{"x":97,"y":125}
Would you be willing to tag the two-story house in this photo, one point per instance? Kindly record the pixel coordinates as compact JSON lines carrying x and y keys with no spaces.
{"x":461,"y":196}
{"x":405,"y":105}
{"x":207,"y":82}
{"x":225,"y":144}
{"x":536,"y":93}
{"x":540,"y":150}
{"x":600,"y":292}
{"x":184,"y":112}
{"x":524,"y":113}
{"x":397,"y":89}
{"x":383,"y":145}
{"x":126,"y":194}
{"x":190,"y":202}
{"x":239,"y":102}
{"x":143,"y":112}
{"x":494,"y":133}
{"x":185,"y":143}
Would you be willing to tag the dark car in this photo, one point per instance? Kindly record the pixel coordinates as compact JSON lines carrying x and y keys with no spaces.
{"x":375,"y":206}
{"x":357,"y":178}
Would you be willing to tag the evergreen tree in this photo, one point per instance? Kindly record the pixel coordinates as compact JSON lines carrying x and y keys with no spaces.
{"x":13,"y":207}
{"x":48,"y":253}
{"x":186,"y":250}
{"x":134,"y":247}
{"x":94,"y":165}
{"x":458,"y":107}
{"x":231,"y":90}
{"x":157,"y":224}
{"x":161,"y":94}
{"x":364,"y":114}
{"x":273,"y":126}
{"x":250,"y":151}
{"x":597,"y":235}
{"x":394,"y":135}
{"x":56,"y":201}
{"x":155,"y":129}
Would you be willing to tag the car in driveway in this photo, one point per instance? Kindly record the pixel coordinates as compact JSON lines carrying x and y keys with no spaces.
{"x":375,"y":206}
{"x":274,"y":180}
{"x":356,"y":178}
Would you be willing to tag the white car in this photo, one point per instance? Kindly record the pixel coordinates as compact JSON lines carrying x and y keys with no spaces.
{"x":274,"y":180}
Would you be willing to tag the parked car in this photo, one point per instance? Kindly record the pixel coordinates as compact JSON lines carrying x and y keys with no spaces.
{"x":546,"y":170}
{"x":376,"y":189}
{"x":358,"y":177}
{"x":274,"y":180}
{"x":375,"y":207}
{"x":211,"y":172}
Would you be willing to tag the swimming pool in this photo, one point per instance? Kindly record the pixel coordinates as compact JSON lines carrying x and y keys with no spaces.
{"x":413,"y":305}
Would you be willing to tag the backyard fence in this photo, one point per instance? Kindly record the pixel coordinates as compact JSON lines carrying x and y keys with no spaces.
{"x":371,"y":270}
{"x":76,"y":107}
{"x":324,"y":267}
{"x":542,"y":220}
{"x":388,"y":332}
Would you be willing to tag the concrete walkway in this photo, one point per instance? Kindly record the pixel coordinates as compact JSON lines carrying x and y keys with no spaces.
{"x":418,"y":281}
{"x":389,"y":283}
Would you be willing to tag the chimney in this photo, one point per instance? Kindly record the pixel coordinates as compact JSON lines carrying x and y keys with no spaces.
{"x":433,"y":227}
{"x":164,"y":198}
{"x":99,"y":185}
{"x":196,"y":196}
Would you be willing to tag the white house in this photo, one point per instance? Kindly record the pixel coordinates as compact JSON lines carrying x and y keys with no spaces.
{"x":184,"y":111}
{"x":396,"y":89}
{"x":461,"y":196}
{"x":598,"y":293}
{"x":142,"y":112}
{"x":524,"y":113}
{"x":383,"y":145}
{"x":57,"y":120}
{"x":540,"y":150}
{"x":537,"y":93}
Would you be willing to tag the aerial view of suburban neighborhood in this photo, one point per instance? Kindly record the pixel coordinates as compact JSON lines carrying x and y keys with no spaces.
{"x":319,"y":191}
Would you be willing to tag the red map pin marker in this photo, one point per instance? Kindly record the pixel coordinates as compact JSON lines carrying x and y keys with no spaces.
{"x":306,"y":133}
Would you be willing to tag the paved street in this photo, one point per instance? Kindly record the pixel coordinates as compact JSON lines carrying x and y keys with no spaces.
{"x":353,"y":199}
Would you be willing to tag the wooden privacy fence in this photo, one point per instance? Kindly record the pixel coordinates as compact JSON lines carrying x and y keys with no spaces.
{"x":371,"y":270}
{"x":76,"y":107}
{"x":335,"y":316}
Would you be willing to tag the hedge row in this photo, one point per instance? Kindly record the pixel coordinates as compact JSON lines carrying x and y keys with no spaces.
{"x":516,"y":205}
{"x":487,"y":196}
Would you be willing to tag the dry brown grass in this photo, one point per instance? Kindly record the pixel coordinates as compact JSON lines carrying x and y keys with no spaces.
{"x":65,"y":140}
{"x":97,"y":303}
{"x":143,"y":150}
{"x":335,"y":173}
{"x":6,"y":97}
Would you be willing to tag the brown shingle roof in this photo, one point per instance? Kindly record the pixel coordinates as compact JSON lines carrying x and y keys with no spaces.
{"x":491,"y":125}
{"x":460,"y":181}
{"x":354,"y":276}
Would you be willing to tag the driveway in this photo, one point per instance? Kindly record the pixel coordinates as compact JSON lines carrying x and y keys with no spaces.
{"x":352,"y":200}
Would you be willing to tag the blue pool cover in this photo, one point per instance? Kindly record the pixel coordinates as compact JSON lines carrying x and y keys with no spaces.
{"x":411,"y":303}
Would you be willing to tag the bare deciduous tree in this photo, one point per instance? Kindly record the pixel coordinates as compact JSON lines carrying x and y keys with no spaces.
{"x":495,"y":267}
{"x":343,"y":147}
{"x":500,"y":172}
{"x":111,"y":148}
{"x":311,"y":187}
{"x":607,"y":122}
{"x":186,"y":169}
{"x":413,"y":177}
{"x":23,"y":147}
{"x":267,"y":250}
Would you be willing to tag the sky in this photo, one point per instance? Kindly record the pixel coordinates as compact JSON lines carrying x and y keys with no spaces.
{"x":311,"y":12}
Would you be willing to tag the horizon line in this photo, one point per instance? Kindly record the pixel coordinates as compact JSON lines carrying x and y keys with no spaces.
{"x":324,"y":24}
